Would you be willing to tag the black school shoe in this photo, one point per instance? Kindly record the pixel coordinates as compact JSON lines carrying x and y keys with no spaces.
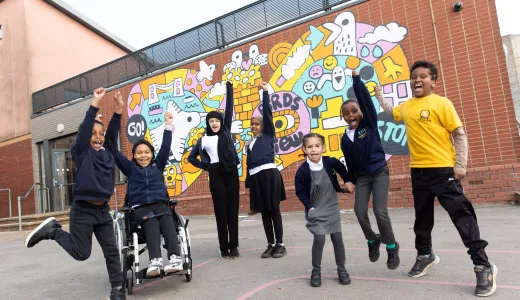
{"x":45,"y":231}
{"x":224,"y":254}
{"x":393,"y":257}
{"x":279,"y":251}
{"x":373,"y":249}
{"x":486,"y":280}
{"x":117,"y":294}
{"x":344,"y":278}
{"x":234,"y":253}
{"x":316,"y":280}
{"x":268,"y":252}
{"x":422,"y":264}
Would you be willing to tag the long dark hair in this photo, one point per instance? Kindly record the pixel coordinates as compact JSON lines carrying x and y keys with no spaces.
{"x":311,"y":135}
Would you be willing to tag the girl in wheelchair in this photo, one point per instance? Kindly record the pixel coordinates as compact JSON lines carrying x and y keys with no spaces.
{"x":149,"y":199}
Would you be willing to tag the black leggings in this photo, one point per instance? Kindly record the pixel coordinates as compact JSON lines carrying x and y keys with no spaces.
{"x":273,"y":219}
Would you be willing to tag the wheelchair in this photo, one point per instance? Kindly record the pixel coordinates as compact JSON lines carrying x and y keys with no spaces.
{"x":129,"y":237}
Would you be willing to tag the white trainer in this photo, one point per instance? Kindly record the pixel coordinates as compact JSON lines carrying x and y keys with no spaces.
{"x":155,"y":267}
{"x":175,"y":265}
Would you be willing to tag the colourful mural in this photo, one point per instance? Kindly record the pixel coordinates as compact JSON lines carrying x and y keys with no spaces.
{"x":311,"y":78}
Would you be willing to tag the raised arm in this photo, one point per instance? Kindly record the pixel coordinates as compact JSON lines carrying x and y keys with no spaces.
{"x":387,"y":106}
{"x":364,"y":100}
{"x":111,"y":135}
{"x":228,"y":113}
{"x":164,"y":152}
{"x":85,"y":128}
{"x":192,"y":158}
{"x":267,"y":113}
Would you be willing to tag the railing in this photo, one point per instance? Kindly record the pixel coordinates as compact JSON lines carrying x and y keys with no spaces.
{"x":10,"y":205}
{"x":240,"y":24}
{"x":20,"y":198}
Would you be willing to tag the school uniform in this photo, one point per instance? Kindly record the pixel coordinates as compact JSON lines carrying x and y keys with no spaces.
{"x":316,"y":186}
{"x":219,"y":157}
{"x":367,"y":168}
{"x":263,"y":177}
{"x":148,"y":197}
{"x":432,"y":160}
{"x":95,"y":175}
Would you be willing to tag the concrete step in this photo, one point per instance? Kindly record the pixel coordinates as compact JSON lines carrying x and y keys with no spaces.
{"x":32,"y":221}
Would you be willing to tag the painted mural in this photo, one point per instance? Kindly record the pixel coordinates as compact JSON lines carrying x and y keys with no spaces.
{"x":312,"y":76}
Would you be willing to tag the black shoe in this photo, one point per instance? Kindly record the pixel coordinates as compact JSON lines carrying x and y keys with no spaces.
{"x":422,"y":264}
{"x":486,"y":280}
{"x":393,"y":257}
{"x":373,"y":249}
{"x":117,"y":294}
{"x":224,"y":254}
{"x":316,"y":280}
{"x":344,"y":278}
{"x":268,"y":252}
{"x":234,"y":253}
{"x":45,"y":231}
{"x":279,"y":251}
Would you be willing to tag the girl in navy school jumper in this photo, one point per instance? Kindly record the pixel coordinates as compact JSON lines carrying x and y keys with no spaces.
{"x":316,"y":186}
{"x":219,"y":157}
{"x":264,"y":179}
{"x":368,"y":171}
{"x":149,"y":199}
{"x":90,"y":213}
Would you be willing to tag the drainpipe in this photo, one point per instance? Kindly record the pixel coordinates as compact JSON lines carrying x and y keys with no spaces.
{"x":437,"y":44}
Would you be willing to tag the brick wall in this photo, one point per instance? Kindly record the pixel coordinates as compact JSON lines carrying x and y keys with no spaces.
{"x":16,"y":173}
{"x":473,"y":74}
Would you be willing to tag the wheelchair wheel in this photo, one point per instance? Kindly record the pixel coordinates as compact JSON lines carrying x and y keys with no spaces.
{"x":121,"y":241}
{"x":130,"y":283}
{"x":189,"y":267}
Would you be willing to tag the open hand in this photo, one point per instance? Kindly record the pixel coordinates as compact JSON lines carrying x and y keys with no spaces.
{"x":118,"y":100}
{"x":263,"y":85}
{"x":350,"y":187}
{"x":355,"y":73}
{"x":168,"y":117}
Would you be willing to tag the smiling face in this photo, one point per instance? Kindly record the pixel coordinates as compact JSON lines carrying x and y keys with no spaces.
{"x":330,"y":62}
{"x":421,"y":82}
{"x":98,"y":136}
{"x":143,"y":155}
{"x":313,"y":147}
{"x":214,"y":124}
{"x":351,"y":114}
{"x":256,"y":126}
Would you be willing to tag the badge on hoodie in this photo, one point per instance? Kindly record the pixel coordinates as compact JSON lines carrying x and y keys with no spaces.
{"x":362,"y":133}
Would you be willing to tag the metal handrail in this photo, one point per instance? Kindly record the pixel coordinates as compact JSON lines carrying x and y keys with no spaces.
{"x":10,"y":205}
{"x":216,"y":34}
{"x":23,"y":197}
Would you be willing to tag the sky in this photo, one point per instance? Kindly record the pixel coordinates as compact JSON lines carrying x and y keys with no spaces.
{"x":141,"y":24}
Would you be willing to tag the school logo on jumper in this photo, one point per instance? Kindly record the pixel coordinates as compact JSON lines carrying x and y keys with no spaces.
{"x":362,"y":133}
{"x":425,"y":116}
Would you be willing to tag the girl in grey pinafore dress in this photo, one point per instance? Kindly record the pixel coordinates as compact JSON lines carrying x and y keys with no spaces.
{"x":316,"y":186}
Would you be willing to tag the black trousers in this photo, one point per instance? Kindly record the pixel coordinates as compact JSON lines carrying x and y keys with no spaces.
{"x":224,"y":192}
{"x":439,"y":182}
{"x":273,"y":220}
{"x":339,"y":252}
{"x":154,"y":227}
{"x":87,"y":219}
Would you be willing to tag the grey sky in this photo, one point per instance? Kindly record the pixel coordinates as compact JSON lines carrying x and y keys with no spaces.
{"x":141,"y":23}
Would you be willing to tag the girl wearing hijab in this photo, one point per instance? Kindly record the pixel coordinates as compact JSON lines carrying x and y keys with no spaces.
{"x":263,"y":180}
{"x":219,"y":157}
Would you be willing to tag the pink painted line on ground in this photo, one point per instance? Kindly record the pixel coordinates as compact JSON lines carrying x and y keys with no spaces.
{"x":451,"y":283}
{"x":402,"y":249}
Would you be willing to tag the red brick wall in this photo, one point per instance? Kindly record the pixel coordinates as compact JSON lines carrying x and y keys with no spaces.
{"x":473,"y":75}
{"x":16,"y":173}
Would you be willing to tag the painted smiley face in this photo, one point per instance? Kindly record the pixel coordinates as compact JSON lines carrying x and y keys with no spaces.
{"x":330,"y":62}
{"x":315,"y":72}
{"x":309,"y":87}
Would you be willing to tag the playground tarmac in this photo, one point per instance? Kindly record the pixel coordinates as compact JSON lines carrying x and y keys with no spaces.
{"x":47,"y":272}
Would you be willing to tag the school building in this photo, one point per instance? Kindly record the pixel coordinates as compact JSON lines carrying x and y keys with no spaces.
{"x":306,"y":51}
